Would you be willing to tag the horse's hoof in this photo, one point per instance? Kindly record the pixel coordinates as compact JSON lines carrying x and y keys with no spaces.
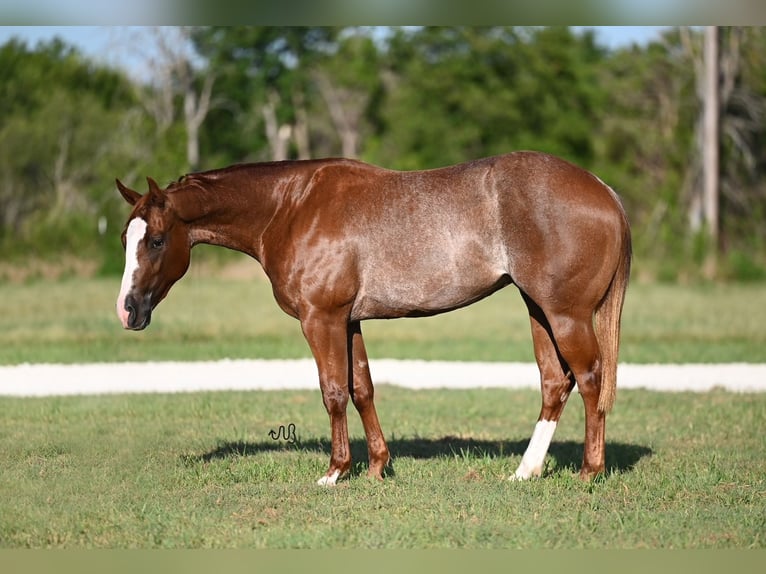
{"x":590,"y":475}
{"x":329,"y":479}
{"x":524,"y":473}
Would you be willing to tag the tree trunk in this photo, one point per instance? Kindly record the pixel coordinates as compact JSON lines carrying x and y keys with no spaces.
{"x":195,"y":111}
{"x":346,"y":107}
{"x":277,"y":135}
{"x":710,"y":142}
{"x":301,"y":128}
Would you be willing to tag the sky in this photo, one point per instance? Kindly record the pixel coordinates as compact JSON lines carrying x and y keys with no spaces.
{"x":112,"y":44}
{"x":105,"y":44}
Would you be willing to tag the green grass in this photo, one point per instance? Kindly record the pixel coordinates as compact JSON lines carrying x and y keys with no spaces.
{"x":200,"y":470}
{"x":208,"y":318}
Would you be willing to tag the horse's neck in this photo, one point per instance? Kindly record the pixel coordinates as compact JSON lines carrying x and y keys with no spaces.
{"x":232,"y":215}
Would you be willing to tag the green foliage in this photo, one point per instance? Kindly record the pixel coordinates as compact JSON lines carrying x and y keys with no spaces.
{"x":407,"y":98}
{"x":257,"y":67}
{"x":67,"y":129}
{"x":741,"y":266}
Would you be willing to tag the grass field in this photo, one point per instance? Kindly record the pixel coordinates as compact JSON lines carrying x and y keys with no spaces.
{"x":685,"y":470}
{"x":205,"y":318}
{"x":200,"y":470}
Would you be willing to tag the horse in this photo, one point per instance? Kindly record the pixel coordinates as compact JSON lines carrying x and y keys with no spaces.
{"x":343,"y":241}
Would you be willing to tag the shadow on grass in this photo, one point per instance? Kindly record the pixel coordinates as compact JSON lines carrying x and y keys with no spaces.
{"x":621,"y":457}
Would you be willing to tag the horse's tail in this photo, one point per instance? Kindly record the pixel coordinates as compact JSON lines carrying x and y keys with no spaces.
{"x":607,"y":324}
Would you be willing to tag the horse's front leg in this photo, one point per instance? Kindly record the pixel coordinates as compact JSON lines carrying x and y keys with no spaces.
{"x":327,"y":335}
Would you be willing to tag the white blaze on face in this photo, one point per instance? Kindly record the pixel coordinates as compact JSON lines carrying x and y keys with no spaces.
{"x":134,"y":235}
{"x":532,"y":461}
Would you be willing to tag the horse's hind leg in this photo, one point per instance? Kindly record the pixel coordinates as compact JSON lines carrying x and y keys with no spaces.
{"x":556,"y":384}
{"x":362,"y":395}
{"x":577,"y":343}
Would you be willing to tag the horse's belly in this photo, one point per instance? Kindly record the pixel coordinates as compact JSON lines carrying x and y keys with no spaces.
{"x":430,"y":263}
{"x":396,"y":292}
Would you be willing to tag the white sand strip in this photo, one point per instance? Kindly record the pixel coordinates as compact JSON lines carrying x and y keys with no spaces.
{"x":172,"y":377}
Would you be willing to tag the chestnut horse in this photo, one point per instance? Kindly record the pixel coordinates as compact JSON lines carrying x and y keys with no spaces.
{"x":343,"y":241}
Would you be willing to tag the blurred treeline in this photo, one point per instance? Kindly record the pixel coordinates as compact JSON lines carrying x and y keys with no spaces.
{"x":406,"y":98}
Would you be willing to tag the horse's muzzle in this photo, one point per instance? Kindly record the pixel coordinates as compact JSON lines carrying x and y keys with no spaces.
{"x":139,"y":312}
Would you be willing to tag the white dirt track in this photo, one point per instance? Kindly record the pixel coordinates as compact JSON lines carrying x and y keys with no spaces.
{"x":173,"y":377}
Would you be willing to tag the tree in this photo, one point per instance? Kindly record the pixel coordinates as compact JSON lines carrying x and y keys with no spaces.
{"x":458,"y":93}
{"x":710,"y":139}
{"x":348,"y":79}
{"x":174,"y":77}
{"x":730,"y":118}
{"x":62,"y":126}
{"x":265,"y":74}
{"x":643,"y":140}
{"x":649,"y":147}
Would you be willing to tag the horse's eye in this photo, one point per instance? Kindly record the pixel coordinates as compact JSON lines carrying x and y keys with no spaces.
{"x":157,"y":242}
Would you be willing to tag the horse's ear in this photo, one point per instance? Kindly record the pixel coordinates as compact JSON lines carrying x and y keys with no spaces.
{"x":130,"y":196}
{"x":153,"y":187}
{"x":156,"y":195}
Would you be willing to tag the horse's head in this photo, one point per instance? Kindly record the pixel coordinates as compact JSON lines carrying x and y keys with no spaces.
{"x":157,"y":254}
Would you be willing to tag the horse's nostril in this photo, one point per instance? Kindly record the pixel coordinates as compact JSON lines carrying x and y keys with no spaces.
{"x":139,"y":312}
{"x":130,"y":305}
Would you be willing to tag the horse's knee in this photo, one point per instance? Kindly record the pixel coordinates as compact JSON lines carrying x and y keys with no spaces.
{"x":335,"y":400}
{"x":362,"y":396}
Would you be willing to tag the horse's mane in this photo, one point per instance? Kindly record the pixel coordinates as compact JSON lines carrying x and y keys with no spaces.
{"x":203,"y":180}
